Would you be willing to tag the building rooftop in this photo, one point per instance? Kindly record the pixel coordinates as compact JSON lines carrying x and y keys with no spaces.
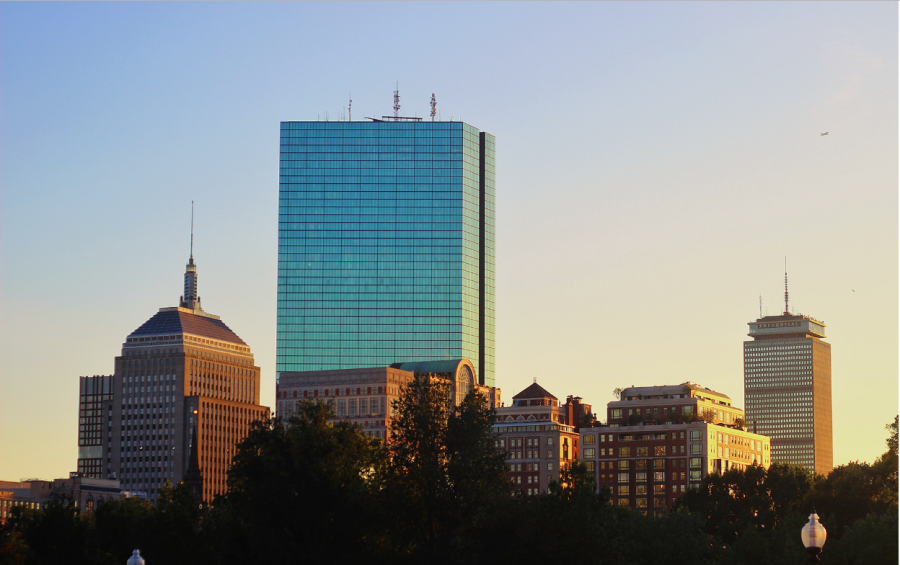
{"x":534,"y":391}
{"x":446,"y":366}
{"x":663,"y":391}
{"x":182,"y":320}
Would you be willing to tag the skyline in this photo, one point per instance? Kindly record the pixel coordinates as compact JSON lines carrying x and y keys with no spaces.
{"x":655,"y":164}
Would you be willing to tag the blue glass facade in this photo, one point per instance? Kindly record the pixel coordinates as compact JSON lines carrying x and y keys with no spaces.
{"x":385,"y":245}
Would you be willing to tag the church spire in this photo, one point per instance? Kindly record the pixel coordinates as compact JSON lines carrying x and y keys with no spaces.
{"x":190,"y":298}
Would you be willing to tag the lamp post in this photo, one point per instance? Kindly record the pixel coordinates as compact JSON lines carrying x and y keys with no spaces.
{"x":813,"y":535}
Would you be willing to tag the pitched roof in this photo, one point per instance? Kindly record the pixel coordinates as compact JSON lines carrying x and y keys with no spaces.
{"x":534,"y":391}
{"x":175,"y":320}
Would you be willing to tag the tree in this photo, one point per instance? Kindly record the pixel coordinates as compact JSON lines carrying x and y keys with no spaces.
{"x":445,"y":473}
{"x":892,"y":436}
{"x":300,"y":486}
{"x":617,"y":393}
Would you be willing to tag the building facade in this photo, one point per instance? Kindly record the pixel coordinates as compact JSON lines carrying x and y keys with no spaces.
{"x":364,"y":396}
{"x":662,"y":440}
{"x":94,"y":392}
{"x":539,"y":436}
{"x":386,"y":245}
{"x":183,"y":380}
{"x":787,"y":388}
{"x":84,"y":493}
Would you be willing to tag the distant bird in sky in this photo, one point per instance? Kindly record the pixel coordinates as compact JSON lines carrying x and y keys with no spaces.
{"x":826,"y":133}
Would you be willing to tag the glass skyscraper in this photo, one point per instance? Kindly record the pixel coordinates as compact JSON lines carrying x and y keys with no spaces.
{"x":385,"y":245}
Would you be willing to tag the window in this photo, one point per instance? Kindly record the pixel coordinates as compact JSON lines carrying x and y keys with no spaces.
{"x":624,"y":452}
{"x":616,"y":413}
{"x":640,"y":489}
{"x":695,"y":475}
{"x":674,"y":488}
{"x":590,"y":439}
{"x":659,"y":502}
{"x":623,"y":490}
{"x":687,"y":410}
{"x":696,"y":449}
{"x":589,"y":452}
{"x":659,"y":489}
{"x":695,"y":462}
{"x":549,"y":441}
{"x":659,"y":463}
{"x":352,"y":407}
{"x":624,"y":502}
{"x":659,"y":476}
{"x":549,"y":466}
{"x":590,"y":466}
{"x":659,"y":450}
{"x":641,"y":503}
{"x":623,"y":465}
{"x":641,"y":464}
{"x":623,"y":477}
{"x":641,"y":451}
{"x":641,"y":477}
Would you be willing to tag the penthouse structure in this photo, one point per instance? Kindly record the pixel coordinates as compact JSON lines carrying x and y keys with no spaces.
{"x":364,"y":396}
{"x":787,"y":387}
{"x":184,"y":381}
{"x":662,"y":440}
{"x":539,"y":436}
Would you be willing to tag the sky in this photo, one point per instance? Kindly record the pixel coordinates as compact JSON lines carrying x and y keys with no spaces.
{"x":656,"y":163}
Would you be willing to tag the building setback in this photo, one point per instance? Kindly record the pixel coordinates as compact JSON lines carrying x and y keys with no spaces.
{"x":183,"y":379}
{"x":94,"y":394}
{"x":385,"y":245}
{"x":662,"y":440}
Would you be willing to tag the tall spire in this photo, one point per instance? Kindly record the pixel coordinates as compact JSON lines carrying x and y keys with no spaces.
{"x":787,"y":311}
{"x":193,"y":477}
{"x":190,"y":298}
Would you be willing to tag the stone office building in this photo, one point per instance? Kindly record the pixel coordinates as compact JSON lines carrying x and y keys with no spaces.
{"x":182,"y":370}
{"x":364,"y":396}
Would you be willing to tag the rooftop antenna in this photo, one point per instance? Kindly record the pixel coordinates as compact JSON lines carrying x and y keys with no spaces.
{"x":192,"y":230}
{"x":350,"y":109}
{"x":397,"y":101}
{"x":760,"y":305}
{"x":787,"y":311}
{"x":433,"y":106}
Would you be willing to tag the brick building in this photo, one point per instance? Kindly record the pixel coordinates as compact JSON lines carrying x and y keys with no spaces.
{"x":540,"y":436}
{"x":662,"y":440}
{"x":82,"y":492}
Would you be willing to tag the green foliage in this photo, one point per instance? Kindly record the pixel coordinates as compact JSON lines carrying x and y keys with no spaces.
{"x":444,"y":475}
{"x":892,"y":436}
{"x":300,"y":486}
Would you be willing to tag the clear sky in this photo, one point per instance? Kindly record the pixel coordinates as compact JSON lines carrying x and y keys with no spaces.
{"x":655,"y":164}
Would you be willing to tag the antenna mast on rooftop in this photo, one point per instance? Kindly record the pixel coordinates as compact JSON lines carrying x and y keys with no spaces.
{"x":433,"y":106}
{"x":192,"y":230}
{"x":397,"y":101}
{"x":350,"y":109}
{"x":760,"y":305}
{"x":787,"y":311}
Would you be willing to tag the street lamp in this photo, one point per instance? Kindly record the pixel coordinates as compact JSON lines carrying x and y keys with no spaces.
{"x":813,"y":535}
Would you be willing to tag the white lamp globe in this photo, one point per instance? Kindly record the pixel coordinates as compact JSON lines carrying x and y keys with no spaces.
{"x":813,"y":533}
